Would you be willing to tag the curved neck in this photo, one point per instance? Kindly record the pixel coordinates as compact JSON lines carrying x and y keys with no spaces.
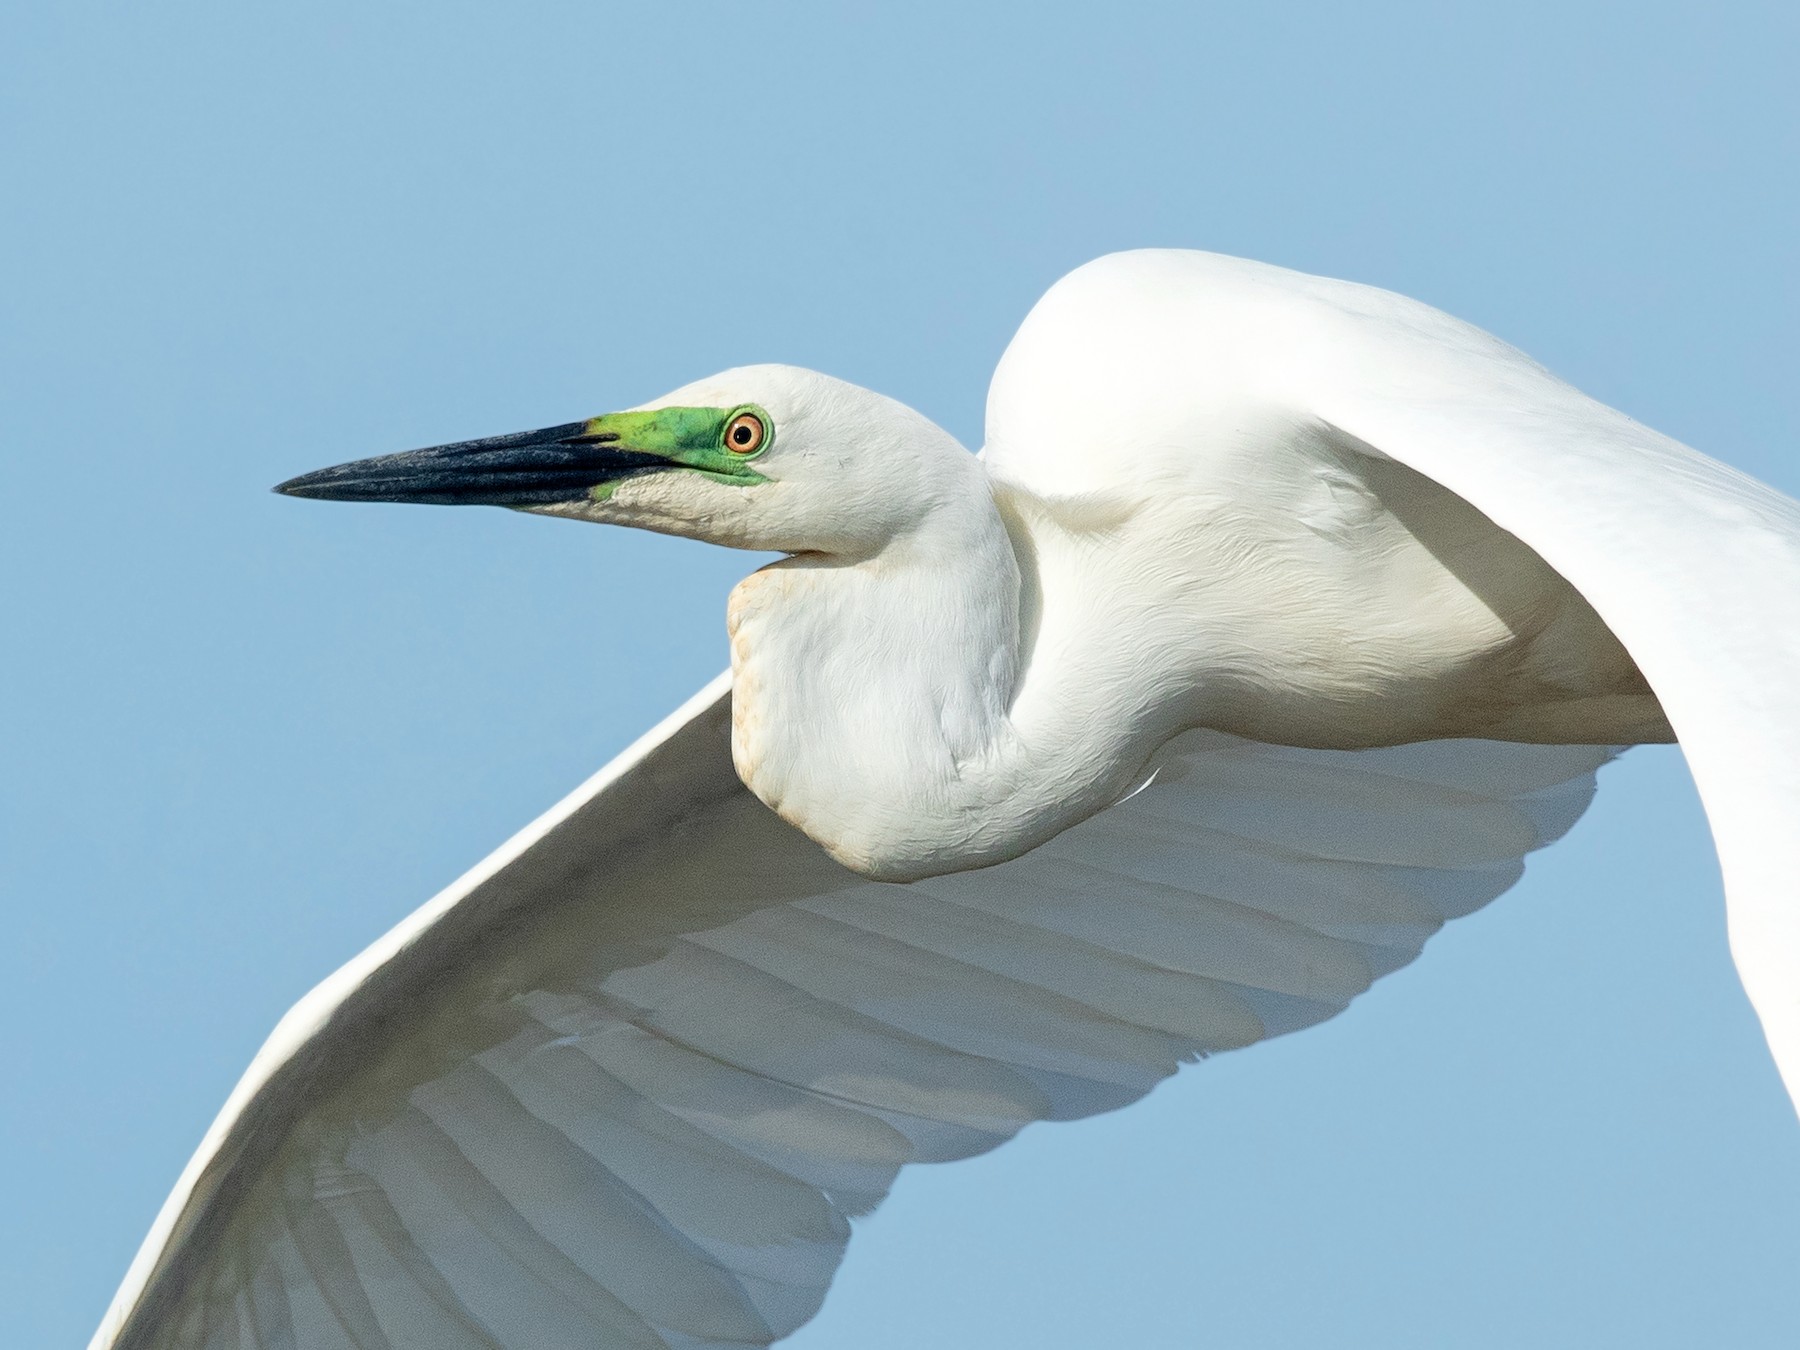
{"x":876,"y":702}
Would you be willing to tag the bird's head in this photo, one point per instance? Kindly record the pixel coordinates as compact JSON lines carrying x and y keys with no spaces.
{"x":773,"y":458}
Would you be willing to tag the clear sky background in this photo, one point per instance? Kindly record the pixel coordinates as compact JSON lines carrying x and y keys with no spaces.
{"x":243,"y":735}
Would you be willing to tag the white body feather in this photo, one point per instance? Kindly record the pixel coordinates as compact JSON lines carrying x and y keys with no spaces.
{"x":1157,"y":543}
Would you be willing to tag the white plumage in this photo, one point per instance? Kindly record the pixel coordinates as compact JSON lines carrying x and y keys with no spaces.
{"x":1279,"y":619}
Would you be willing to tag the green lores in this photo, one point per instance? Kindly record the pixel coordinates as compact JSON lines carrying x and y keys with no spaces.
{"x":716,"y":443}
{"x":569,"y":463}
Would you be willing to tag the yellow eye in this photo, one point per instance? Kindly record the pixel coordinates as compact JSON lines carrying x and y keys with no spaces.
{"x":745,"y":434}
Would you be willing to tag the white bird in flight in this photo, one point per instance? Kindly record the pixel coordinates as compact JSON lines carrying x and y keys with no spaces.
{"x":1279,"y":618}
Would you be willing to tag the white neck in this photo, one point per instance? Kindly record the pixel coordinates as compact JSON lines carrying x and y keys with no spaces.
{"x":876,"y":702}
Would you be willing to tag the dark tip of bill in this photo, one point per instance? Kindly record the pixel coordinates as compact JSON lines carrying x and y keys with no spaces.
{"x":297,"y":487}
{"x":339,"y":482}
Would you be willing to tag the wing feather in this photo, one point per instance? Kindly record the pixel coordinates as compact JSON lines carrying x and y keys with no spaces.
{"x":628,"y":1087}
{"x":1693,"y":565}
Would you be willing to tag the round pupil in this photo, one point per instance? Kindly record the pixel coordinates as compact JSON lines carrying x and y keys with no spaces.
{"x":742,"y":434}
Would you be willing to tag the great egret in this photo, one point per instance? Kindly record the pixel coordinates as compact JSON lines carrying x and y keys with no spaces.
{"x":1278,"y":620}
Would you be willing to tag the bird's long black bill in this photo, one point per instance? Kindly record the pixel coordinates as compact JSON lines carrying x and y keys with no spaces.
{"x":529,"y":468}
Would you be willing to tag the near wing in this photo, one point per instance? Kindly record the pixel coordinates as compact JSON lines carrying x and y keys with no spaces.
{"x":626,"y":1083}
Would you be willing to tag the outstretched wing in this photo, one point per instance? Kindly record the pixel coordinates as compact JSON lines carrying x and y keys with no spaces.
{"x":1694,"y":566}
{"x":626,"y":1083}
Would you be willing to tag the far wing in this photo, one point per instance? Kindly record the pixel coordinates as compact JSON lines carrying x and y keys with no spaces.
{"x":626,"y":1084}
{"x":1694,"y":566}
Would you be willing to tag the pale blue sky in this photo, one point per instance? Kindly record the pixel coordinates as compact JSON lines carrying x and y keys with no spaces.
{"x":244,"y":734}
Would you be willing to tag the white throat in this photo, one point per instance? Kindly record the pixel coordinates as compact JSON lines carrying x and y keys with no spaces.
{"x":873,"y":700}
